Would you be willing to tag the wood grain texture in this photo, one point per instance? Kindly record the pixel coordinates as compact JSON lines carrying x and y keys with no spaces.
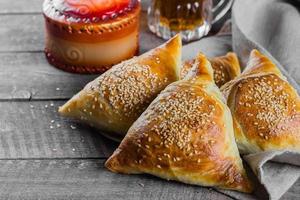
{"x":21,"y":33}
{"x":87,"y":179}
{"x":29,"y":76}
{"x":35,"y":130}
{"x":20,"y":6}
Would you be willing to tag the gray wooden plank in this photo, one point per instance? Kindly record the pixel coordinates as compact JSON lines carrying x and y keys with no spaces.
{"x":29,"y":76}
{"x":23,"y":33}
{"x":35,"y":130}
{"x":25,"y":134}
{"x":20,"y":6}
{"x":87,"y":179}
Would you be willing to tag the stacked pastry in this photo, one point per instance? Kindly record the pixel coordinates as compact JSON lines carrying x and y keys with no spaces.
{"x":179,"y":125}
{"x":225,"y":68}
{"x":186,"y":134}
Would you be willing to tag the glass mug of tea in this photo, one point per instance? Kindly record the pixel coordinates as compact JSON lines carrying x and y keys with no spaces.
{"x":191,"y":18}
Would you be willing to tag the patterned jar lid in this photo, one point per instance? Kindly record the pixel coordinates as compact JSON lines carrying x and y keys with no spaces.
{"x":88,"y":10}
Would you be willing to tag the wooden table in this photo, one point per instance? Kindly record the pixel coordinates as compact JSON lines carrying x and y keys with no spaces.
{"x":45,"y":156}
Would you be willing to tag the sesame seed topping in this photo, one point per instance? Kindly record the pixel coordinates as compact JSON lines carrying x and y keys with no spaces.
{"x":268,"y":103}
{"x":179,"y":107}
{"x":129,"y":87}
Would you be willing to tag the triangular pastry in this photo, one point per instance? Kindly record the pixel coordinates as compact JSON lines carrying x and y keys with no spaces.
{"x":225,"y":68}
{"x":186,"y":134}
{"x":265,"y":108}
{"x":116,"y":99}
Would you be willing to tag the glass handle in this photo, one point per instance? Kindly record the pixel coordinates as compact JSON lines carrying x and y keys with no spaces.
{"x":218,"y":14}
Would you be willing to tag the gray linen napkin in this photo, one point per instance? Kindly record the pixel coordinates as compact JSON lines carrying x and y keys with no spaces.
{"x":273,"y":27}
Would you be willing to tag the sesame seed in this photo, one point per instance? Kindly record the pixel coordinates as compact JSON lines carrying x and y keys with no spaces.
{"x":73,"y":127}
{"x":141,"y":184}
{"x":266,"y":137}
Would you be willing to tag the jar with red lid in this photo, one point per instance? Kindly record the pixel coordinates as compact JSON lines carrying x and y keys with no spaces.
{"x":89,"y":36}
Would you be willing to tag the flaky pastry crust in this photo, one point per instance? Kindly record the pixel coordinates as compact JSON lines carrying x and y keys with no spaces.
{"x":265,"y":108}
{"x":116,"y":99}
{"x":225,"y":68}
{"x":186,"y":134}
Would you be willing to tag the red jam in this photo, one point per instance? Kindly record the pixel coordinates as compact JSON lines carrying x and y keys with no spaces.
{"x":94,"y":8}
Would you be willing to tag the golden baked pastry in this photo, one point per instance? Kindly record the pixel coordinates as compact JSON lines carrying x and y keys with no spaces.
{"x":265,"y":108}
{"x":82,"y":36}
{"x":225,"y":68}
{"x":186,"y":134}
{"x":116,"y":99}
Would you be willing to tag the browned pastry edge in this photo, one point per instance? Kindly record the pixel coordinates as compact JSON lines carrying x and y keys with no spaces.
{"x":229,"y":64}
